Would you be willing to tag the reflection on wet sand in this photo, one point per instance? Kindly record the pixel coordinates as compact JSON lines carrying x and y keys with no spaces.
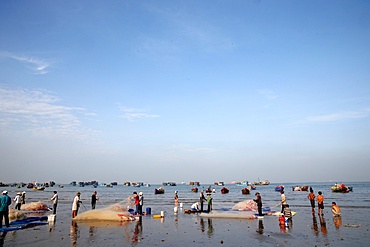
{"x":260,"y":226}
{"x":74,"y":233}
{"x":323,"y":225}
{"x":315,"y":228}
{"x":137,"y":231}
{"x":210,"y":228}
{"x":337,"y":221}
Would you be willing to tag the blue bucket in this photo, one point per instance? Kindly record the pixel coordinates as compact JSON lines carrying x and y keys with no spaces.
{"x":131,"y":211}
{"x":148,"y":210}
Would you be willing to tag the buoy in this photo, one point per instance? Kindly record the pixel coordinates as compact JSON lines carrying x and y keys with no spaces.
{"x":175,"y":210}
{"x":162,"y":214}
{"x":156,"y":216}
{"x":180,"y":204}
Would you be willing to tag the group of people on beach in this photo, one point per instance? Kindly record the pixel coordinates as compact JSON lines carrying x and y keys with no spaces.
{"x":6,"y":201}
{"x":199,"y":206}
{"x":286,"y":211}
{"x":320,"y":203}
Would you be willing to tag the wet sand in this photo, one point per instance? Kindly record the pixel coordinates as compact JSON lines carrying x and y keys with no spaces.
{"x":352,"y":229}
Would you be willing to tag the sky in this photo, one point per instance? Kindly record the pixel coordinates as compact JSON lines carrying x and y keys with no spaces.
{"x":182,"y":91}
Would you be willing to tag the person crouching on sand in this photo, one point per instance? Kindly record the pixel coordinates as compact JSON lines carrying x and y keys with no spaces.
{"x":335,"y":209}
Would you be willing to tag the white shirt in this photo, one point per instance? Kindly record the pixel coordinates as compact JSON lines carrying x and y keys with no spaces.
{"x":75,"y":203}
{"x":18,"y":199}
{"x":54,"y":199}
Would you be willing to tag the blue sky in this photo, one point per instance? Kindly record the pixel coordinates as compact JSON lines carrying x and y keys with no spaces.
{"x":178,"y":91}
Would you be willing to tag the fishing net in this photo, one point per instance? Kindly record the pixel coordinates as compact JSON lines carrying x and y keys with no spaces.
{"x":16,"y":215}
{"x":247,"y":205}
{"x":115,"y":212}
{"x":35,"y":206}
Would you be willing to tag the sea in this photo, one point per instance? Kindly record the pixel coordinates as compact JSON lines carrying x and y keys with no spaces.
{"x":307,"y":229}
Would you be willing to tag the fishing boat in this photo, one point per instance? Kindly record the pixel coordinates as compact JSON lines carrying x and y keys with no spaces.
{"x":263,"y":182}
{"x":41,"y":187}
{"x":160,"y":190}
{"x":246,"y":191}
{"x":224,"y":190}
{"x":300,"y":188}
{"x":342,"y":188}
{"x":279,"y":188}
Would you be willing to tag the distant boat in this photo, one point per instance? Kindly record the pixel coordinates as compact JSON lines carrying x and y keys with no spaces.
{"x":194,"y":189}
{"x":342,"y":188}
{"x":263,"y":182}
{"x":245,"y":191}
{"x":39,"y":187}
{"x":219,"y":183}
{"x":300,"y":188}
{"x":279,"y":188}
{"x":160,"y":190}
{"x":224,"y":190}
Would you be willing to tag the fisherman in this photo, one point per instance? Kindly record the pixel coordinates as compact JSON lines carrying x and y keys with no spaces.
{"x":141,"y":203}
{"x":54,"y":198}
{"x":195,"y":207}
{"x":258,"y":200}
{"x":5,"y":202}
{"x":23,"y":197}
{"x":76,"y":204}
{"x":94,"y":199}
{"x":209,"y":201}
{"x":202,"y":199}
{"x":18,"y":201}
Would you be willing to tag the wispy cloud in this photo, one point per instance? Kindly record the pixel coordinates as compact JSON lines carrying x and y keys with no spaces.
{"x":39,"y":66}
{"x":40,"y":113}
{"x":132,"y":114}
{"x":340,"y":116}
{"x":268,"y":94}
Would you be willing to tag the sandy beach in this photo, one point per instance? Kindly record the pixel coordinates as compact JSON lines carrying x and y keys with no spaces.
{"x":181,"y":229}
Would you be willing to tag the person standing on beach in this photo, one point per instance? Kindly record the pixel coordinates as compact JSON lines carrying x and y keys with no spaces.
{"x":141,"y":203}
{"x":5,"y":202}
{"x":311,"y":196}
{"x":18,"y":201}
{"x":54,"y":198}
{"x":283,"y":201}
{"x":202,"y":199}
{"x":258,"y":201}
{"x":320,"y":203}
{"x":137,"y":202}
{"x":94,"y":199}
{"x":23,"y":201}
{"x":209,"y":201}
{"x":76,"y":204}
{"x":176,"y":197}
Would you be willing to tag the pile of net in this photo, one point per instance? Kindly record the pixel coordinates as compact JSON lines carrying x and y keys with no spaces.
{"x":116,"y":212}
{"x":247,"y":205}
{"x":35,"y":206}
{"x":16,"y":215}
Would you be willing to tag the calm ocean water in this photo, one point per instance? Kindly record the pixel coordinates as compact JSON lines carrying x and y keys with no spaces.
{"x":297,"y":199}
{"x":183,"y":230}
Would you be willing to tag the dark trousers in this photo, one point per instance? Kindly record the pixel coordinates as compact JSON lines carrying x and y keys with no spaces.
{"x":260,"y":211}
{"x":18,"y":206}
{"x":5,"y":215}
{"x":55,"y":208}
